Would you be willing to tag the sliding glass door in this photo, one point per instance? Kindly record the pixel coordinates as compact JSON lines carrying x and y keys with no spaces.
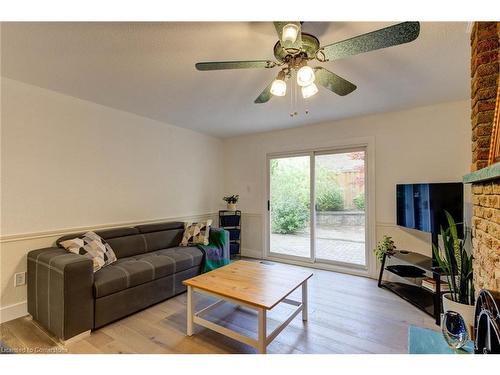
{"x":317,"y":208}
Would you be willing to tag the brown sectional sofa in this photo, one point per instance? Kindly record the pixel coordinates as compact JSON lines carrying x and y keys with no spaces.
{"x":67,"y":298}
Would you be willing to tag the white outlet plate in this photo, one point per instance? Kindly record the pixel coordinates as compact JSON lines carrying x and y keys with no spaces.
{"x":20,"y":278}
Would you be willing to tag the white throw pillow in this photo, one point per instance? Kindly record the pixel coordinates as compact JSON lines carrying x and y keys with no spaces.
{"x":93,"y":247}
{"x":196,"y":233}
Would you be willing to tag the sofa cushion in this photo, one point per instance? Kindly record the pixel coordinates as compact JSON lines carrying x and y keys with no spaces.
{"x":106,"y":234}
{"x":159,"y":227}
{"x":125,"y":242}
{"x":128,"y":246}
{"x":162,"y":235}
{"x":139,"y":269}
{"x":163,"y":239}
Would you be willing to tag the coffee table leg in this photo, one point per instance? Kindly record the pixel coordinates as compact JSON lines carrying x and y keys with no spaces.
{"x":189,"y":311}
{"x":262,"y":331}
{"x":304,"y":300}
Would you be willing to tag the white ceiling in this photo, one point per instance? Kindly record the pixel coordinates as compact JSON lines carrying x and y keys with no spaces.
{"x":148,"y":69}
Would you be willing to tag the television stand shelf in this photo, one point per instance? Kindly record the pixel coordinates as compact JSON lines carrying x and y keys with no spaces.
{"x":422,"y":298}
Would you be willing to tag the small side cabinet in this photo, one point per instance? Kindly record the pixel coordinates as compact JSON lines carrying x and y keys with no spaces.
{"x":231,"y":221}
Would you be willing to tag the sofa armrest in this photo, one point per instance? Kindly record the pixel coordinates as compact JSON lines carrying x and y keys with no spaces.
{"x":225,"y":250}
{"x":60,"y":295}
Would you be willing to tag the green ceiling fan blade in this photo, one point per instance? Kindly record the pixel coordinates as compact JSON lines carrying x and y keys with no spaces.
{"x":387,"y":37}
{"x":222,"y":65}
{"x":265,"y":95}
{"x":333,"y":82}
{"x":286,"y":44}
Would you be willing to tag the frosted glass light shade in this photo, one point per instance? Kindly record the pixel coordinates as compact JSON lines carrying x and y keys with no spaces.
{"x":278,"y":88}
{"x":305,"y":76}
{"x":290,"y":32}
{"x":308,"y":91}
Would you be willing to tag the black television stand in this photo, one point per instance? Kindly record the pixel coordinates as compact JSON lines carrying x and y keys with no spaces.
{"x":422,"y":298}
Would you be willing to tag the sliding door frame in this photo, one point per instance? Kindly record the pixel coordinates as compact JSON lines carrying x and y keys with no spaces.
{"x":368,"y":145}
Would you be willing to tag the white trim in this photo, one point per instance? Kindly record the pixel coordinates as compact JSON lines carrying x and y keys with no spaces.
{"x":14,"y":311}
{"x":468,"y":29}
{"x":323,"y":266}
{"x":252,"y":253}
{"x":61,"y":232}
{"x":312,"y":208}
{"x":256,"y":254}
{"x":389,"y":225}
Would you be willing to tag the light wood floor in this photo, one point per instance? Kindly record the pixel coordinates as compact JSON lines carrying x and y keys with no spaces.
{"x":347,"y":314}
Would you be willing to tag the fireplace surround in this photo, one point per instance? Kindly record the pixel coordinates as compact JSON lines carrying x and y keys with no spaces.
{"x":485,"y":179}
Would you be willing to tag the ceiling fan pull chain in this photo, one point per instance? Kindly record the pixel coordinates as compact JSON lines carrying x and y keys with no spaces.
{"x":295,"y":97}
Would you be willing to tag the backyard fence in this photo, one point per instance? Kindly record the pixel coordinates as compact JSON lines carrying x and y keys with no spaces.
{"x":352,"y":184}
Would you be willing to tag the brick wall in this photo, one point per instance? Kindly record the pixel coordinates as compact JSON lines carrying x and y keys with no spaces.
{"x":484,"y":74}
{"x":486,"y":235}
{"x":485,"y":41}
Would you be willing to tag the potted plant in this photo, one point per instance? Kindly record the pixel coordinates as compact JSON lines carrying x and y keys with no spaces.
{"x":231,"y":201}
{"x":456,"y":262}
{"x":385,"y":246}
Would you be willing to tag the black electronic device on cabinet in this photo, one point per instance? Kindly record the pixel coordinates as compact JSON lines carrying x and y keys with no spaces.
{"x":231,"y":221}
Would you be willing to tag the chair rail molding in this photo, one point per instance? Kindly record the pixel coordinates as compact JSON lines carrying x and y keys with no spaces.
{"x":61,"y":232}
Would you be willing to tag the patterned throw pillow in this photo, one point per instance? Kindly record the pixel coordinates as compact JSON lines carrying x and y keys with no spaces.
{"x":93,"y":247}
{"x":196,"y":233}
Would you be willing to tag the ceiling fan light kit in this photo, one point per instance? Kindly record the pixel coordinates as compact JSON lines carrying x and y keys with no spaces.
{"x":278,"y":87}
{"x":309,"y":90}
{"x":290,"y":32}
{"x":305,"y":76}
{"x":295,"y":49}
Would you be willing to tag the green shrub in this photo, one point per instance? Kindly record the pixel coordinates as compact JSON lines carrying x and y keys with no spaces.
{"x":329,"y":195}
{"x":288,"y":216}
{"x":289,"y":196}
{"x":330,"y":200}
{"x":359,"y":201}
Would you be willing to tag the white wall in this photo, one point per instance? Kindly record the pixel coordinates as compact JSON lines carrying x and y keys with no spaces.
{"x":69,"y":163}
{"x":426,"y":144}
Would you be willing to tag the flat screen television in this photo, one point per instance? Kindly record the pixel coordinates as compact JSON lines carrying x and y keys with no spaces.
{"x":422,"y":206}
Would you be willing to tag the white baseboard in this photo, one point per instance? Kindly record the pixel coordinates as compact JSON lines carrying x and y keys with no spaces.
{"x":14,"y":311}
{"x":252,"y":253}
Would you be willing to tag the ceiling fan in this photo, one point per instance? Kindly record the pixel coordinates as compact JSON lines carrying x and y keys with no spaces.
{"x":295,"y":49}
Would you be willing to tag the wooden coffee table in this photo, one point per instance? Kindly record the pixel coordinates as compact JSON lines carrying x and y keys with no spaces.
{"x":251,"y":284}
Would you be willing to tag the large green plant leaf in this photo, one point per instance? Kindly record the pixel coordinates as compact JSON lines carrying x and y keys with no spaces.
{"x":455,"y":261}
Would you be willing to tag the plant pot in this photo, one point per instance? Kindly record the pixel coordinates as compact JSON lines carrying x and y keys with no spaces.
{"x":231,"y":206}
{"x":467,"y":311}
